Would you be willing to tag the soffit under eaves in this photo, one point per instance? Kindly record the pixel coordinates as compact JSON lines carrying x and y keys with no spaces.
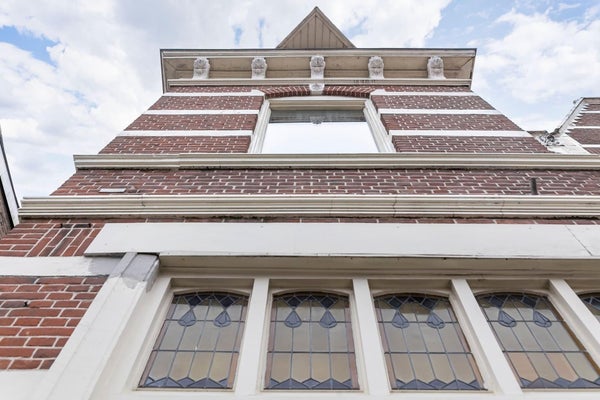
{"x":316,"y":31}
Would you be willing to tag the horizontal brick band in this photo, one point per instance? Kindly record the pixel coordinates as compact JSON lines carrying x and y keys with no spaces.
{"x":208,"y":103}
{"x":451,"y":102}
{"x":49,"y":239}
{"x":448,"y":122}
{"x":193,"y":122}
{"x":586,"y":136}
{"x":200,"y":112}
{"x":177,"y":144}
{"x":468,"y":144}
{"x":333,"y":181}
{"x":588,"y":119}
{"x":436,"y":111}
{"x":169,"y":133}
{"x":209,"y":89}
{"x":38,"y":314}
{"x":593,"y":107}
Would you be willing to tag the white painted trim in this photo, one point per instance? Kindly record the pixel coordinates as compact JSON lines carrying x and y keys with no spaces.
{"x":376,"y":374}
{"x":559,"y":246}
{"x":254,"y":342}
{"x":382,"y":140}
{"x":341,"y":161}
{"x":251,"y":93}
{"x":200,"y":112}
{"x":577,"y":316}
{"x":7,"y":187}
{"x":445,"y":132}
{"x":317,"y":103}
{"x":584,"y":127}
{"x":57,"y":266}
{"x":186,"y":133}
{"x":590,"y":112}
{"x":590,"y":145}
{"x":18,"y":384}
{"x":313,"y":205}
{"x":494,"y":367}
{"x":326,"y":81}
{"x":383,"y":92}
{"x":260,"y":130}
{"x":437,"y":111}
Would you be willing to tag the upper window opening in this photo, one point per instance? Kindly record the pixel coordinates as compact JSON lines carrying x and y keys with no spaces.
{"x":537,"y":343}
{"x":318,"y":131}
{"x":199,"y":342}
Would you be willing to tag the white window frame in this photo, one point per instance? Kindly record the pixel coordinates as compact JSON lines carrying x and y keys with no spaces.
{"x":379,"y":133}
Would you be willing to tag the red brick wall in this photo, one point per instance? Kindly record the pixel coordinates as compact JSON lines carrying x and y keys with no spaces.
{"x":588,"y":120}
{"x":333,"y":181}
{"x":37,"y":316}
{"x":593,"y":150}
{"x":586,"y":136}
{"x":52,"y":238}
{"x":593,"y":107}
{"x":467,"y":144}
{"x":209,"y":89}
{"x":193,"y":122}
{"x":431,"y":102}
{"x":208,"y":103}
{"x":177,"y":144}
{"x":448,"y":122}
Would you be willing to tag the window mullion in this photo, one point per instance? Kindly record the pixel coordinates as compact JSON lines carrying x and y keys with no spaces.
{"x":487,"y":352}
{"x":577,"y":316}
{"x":248,"y":375}
{"x":374,"y":362}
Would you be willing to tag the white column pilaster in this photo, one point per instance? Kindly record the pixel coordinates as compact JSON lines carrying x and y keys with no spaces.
{"x":494,"y":367}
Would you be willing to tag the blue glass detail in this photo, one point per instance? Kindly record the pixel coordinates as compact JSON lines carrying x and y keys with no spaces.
{"x":226,"y":301}
{"x":399,"y":320}
{"x":327,"y":301}
{"x":222,"y":320}
{"x":529,"y":301}
{"x":293,"y":320}
{"x":506,"y":320}
{"x":434,"y":321}
{"x":293,"y":301}
{"x":193,"y":300}
{"x":327,"y":320}
{"x":497,"y":301}
{"x":395,"y":302}
{"x":187,"y":319}
{"x":541,"y":320}
{"x":429,"y":303}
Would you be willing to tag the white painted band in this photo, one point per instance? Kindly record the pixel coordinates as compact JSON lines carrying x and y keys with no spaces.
{"x":584,"y":127}
{"x":201,"y":112}
{"x":187,"y":133}
{"x":459,"y":133}
{"x":591,"y":112}
{"x":57,"y":266}
{"x":436,"y":111}
{"x":591,"y":145}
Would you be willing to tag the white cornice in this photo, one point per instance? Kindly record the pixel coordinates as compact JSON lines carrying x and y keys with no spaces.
{"x":377,"y":160}
{"x":312,"y":205}
{"x":326,"y":81}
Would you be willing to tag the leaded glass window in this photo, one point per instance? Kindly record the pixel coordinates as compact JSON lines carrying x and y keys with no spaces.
{"x":592,"y":301}
{"x":199,"y":342}
{"x":310,"y":343}
{"x":537,"y":343}
{"x":423,"y":344}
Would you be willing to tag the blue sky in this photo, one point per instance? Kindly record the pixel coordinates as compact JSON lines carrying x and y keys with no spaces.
{"x":74,"y":73}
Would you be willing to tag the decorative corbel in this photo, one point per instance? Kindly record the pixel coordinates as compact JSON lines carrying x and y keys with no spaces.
{"x":435,"y":68}
{"x":201,"y":68}
{"x":259,"y":68}
{"x":376,"y":67}
{"x":317,"y":71}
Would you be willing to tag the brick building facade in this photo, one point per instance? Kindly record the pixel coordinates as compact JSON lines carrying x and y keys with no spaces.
{"x":183,"y":228}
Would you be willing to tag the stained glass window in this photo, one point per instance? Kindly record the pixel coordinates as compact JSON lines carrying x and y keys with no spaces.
{"x":423,"y":344}
{"x":310,"y":343}
{"x":540,"y":348}
{"x":593,"y":303}
{"x":199,"y":342}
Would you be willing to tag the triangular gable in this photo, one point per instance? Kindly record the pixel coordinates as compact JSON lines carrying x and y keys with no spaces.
{"x":316,"y":31}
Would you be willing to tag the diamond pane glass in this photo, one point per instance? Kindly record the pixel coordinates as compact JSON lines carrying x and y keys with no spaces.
{"x":592,"y":301}
{"x":199,"y":342}
{"x":311,"y":346}
{"x":423,"y":344}
{"x":537,"y":343}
